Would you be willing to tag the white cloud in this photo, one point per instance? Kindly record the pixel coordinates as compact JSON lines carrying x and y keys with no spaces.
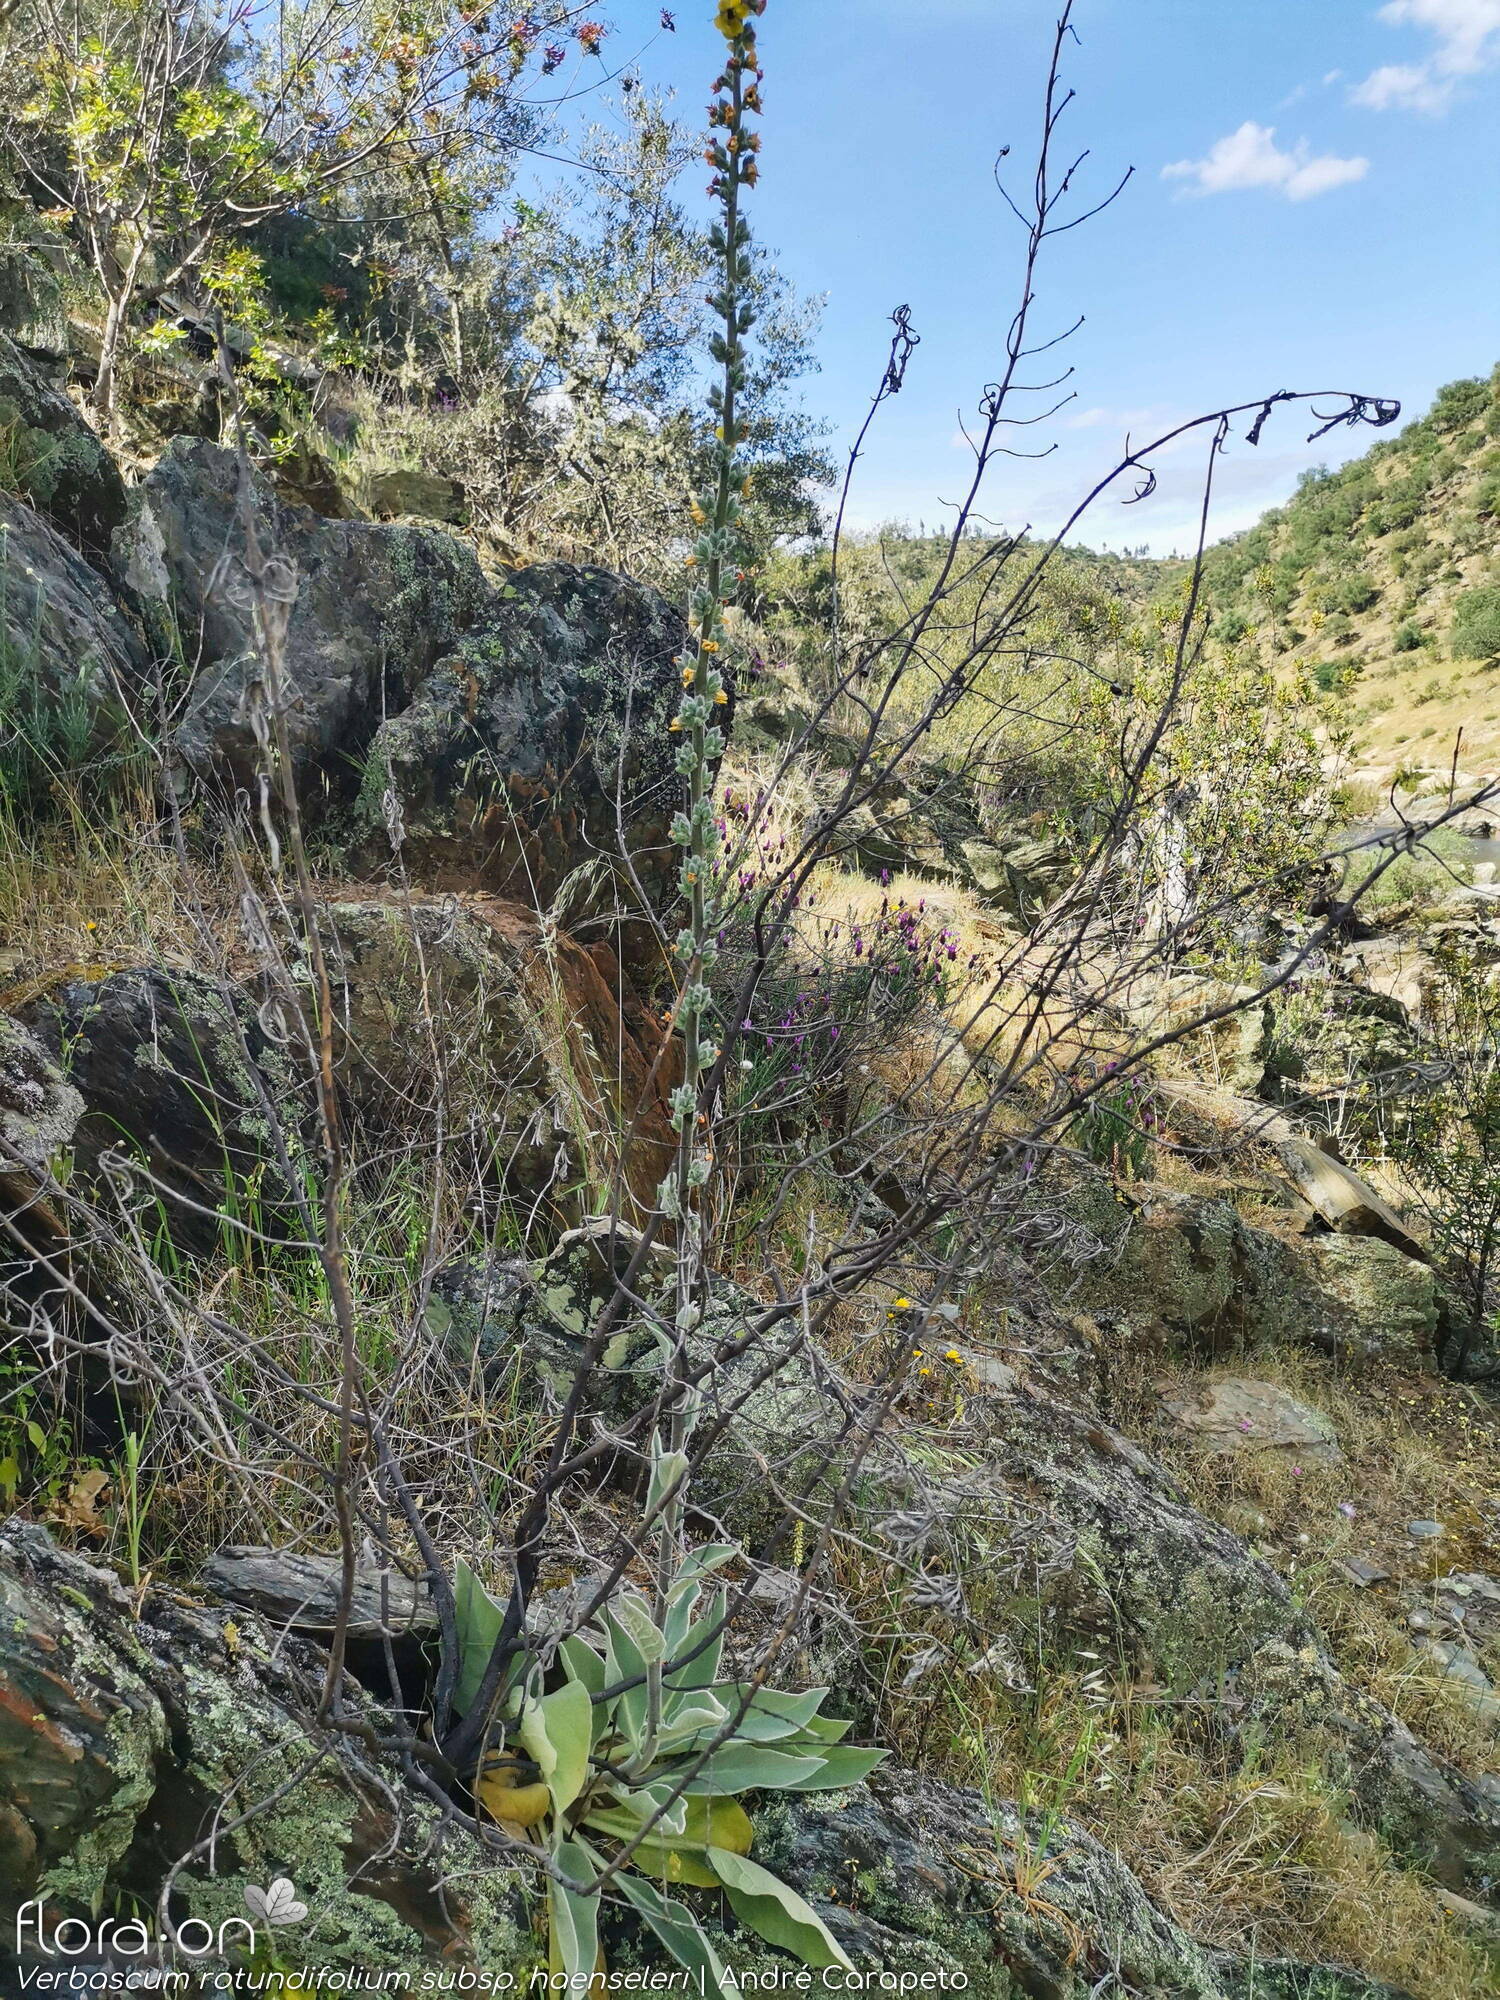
{"x":1251,"y":158}
{"x":1468,"y":41}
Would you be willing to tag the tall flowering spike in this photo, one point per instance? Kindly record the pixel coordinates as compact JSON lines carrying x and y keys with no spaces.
{"x":730,"y":148}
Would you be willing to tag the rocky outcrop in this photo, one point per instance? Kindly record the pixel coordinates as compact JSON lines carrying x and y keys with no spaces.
{"x":73,"y":660}
{"x":60,"y":465}
{"x":1426,"y":1810}
{"x":500,"y":736}
{"x":371,"y":610}
{"x":937,"y":1881}
{"x":1379,"y":1301}
{"x":177,"y":1072}
{"x":124,"y":1724}
{"x":1194,"y":1268}
{"x":539,"y":746}
{"x":1191,"y":1595}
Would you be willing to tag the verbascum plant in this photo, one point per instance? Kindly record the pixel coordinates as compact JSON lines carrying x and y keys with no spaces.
{"x":731,"y":151}
{"x":628,"y":1771}
{"x":631,"y":1771}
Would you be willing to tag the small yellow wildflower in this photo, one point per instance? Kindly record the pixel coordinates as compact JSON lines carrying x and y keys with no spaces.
{"x":903,"y":1305}
{"x":689,"y":675}
{"x":710,"y":645}
{"x":720,"y":698}
{"x":675,"y":723}
{"x":731,"y":17}
{"x":953,"y":1355}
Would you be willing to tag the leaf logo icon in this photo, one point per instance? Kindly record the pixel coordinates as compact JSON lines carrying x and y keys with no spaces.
{"x":276,"y":1905}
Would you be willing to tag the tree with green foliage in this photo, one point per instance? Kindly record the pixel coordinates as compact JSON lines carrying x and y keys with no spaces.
{"x":162,"y":132}
{"x":570,"y":344}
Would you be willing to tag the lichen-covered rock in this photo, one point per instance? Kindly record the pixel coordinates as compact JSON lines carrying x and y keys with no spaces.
{"x":81,"y":1725}
{"x":373,"y":608}
{"x":1189,"y":1265}
{"x":127,"y":1727}
{"x":922,"y":1878}
{"x":527,"y":1324}
{"x":1377,"y":1301}
{"x":39,"y":1109}
{"x":501,"y":736}
{"x":539,"y":745}
{"x":176,"y":1071}
{"x":395,"y":492}
{"x":1236,"y":1415}
{"x":1192,"y":1267}
{"x":123,"y":1732}
{"x":1424,"y":1808}
{"x":61,"y":466}
{"x":39,"y":1112}
{"x":74,"y":659}
{"x":1190,"y":1593}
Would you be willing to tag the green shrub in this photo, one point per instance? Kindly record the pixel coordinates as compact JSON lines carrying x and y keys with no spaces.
{"x":1408,"y":638}
{"x":1431,"y":871}
{"x":1352,"y":593}
{"x":1476,"y":624}
{"x":1334,"y":676}
{"x":1460,"y":404}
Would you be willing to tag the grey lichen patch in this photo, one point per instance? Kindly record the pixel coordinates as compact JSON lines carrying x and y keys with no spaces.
{"x":372,"y":1898}
{"x":135,"y":1737}
{"x":38,"y":1109}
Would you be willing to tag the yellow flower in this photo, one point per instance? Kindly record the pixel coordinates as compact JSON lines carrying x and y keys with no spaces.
{"x":710,"y":645}
{"x":731,"y":17}
{"x":689,"y":675}
{"x":720,"y":698}
{"x":675,"y":723}
{"x":903,"y":1305}
{"x":953,"y":1355}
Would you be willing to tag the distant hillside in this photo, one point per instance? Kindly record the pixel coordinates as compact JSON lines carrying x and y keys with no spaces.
{"x":1384,"y":580}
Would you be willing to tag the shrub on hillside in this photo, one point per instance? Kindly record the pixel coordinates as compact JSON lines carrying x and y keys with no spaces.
{"x":1476,"y":623}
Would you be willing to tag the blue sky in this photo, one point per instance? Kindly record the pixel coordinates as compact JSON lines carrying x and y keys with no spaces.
{"x":1316,"y":204}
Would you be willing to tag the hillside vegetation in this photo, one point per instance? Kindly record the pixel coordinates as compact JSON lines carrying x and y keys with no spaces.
{"x":1382,"y":581}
